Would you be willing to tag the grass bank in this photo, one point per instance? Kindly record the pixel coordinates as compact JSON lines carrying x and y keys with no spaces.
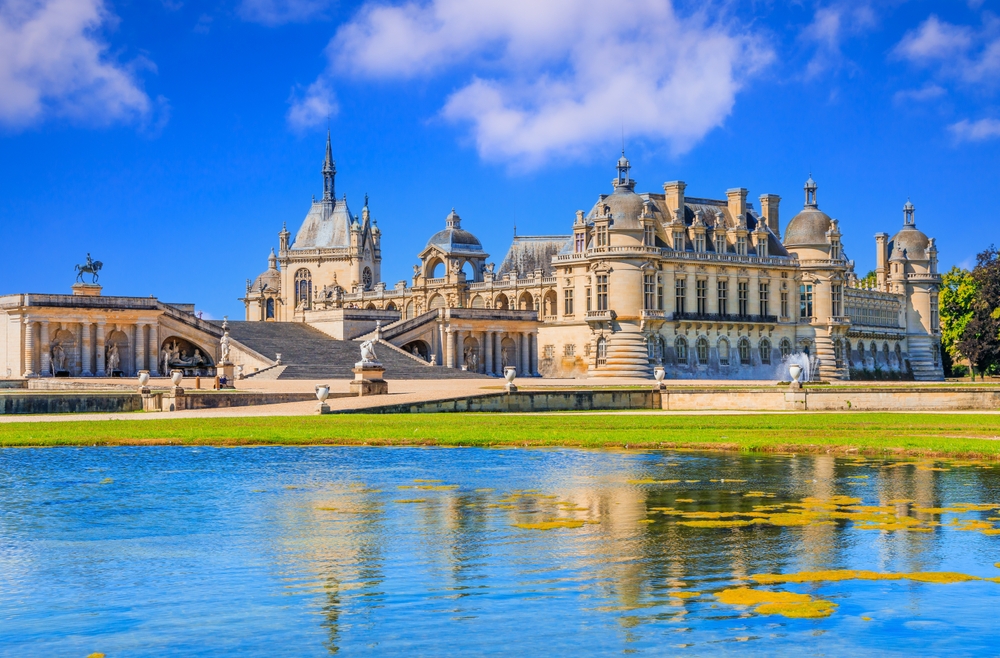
{"x":955,"y":435}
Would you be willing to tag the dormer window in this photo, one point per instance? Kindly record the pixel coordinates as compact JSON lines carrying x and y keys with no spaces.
{"x":699,"y":242}
{"x":720,"y":243}
{"x":678,"y":240}
{"x":581,"y":243}
{"x":762,"y":247}
{"x":602,"y":235}
{"x":835,"y":250}
{"x":741,"y":245}
{"x":648,"y":235}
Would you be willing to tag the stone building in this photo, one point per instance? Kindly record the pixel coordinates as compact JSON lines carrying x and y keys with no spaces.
{"x":706,"y":288}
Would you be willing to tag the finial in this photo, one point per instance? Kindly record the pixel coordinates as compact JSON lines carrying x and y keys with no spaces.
{"x":366,"y":199}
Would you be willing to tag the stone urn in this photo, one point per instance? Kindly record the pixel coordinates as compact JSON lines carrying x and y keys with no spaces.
{"x":509,"y":373}
{"x":659,"y":373}
{"x":322,"y":392}
{"x":143,"y":378}
{"x":795,"y":370}
{"x":176,"y":376}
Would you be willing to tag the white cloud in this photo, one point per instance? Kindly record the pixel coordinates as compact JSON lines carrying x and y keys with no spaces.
{"x":52,"y":62}
{"x":558,"y":77}
{"x":276,"y":12}
{"x":955,"y":52}
{"x":830,"y":27}
{"x":975,"y":131}
{"x":925,"y":93}
{"x":934,"y":40}
{"x":312,"y":108}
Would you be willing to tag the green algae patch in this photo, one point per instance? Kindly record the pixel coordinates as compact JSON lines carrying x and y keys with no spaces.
{"x":551,"y":525}
{"x":717,"y":523}
{"x":838,"y":575}
{"x":411,"y":500}
{"x":787,"y":604}
{"x":808,"y":610}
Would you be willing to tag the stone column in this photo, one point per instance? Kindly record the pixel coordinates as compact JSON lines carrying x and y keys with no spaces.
{"x":78,"y":352}
{"x":524,"y":370}
{"x":442,"y":349}
{"x":498,"y":353}
{"x":139,"y":363}
{"x":533,"y":340}
{"x":87,"y":368}
{"x":46,"y":349}
{"x":449,"y":346}
{"x":488,"y":352}
{"x":154,"y":350}
{"x":29,"y":347}
{"x":99,"y":350}
{"x":459,"y":348}
{"x":481,"y":366}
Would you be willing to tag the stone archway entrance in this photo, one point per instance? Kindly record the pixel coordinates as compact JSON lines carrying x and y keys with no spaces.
{"x":178,"y":353}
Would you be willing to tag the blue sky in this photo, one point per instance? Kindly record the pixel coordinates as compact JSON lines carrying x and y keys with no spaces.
{"x":172,"y":138}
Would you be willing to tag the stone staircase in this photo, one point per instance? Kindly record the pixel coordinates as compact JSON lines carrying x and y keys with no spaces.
{"x":627,"y":356}
{"x":308,"y":353}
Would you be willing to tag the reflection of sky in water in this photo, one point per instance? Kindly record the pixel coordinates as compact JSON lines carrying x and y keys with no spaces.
{"x":304,"y":551}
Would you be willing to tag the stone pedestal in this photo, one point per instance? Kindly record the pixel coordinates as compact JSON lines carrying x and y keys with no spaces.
{"x":368,"y":379}
{"x":227,"y":370}
{"x":322,"y":408}
{"x":175,"y":400}
{"x":87,"y":289}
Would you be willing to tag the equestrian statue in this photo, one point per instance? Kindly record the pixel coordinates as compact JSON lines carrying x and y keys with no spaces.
{"x":91,"y":267}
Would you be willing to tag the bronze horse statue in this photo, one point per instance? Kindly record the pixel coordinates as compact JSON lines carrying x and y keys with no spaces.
{"x":91,"y":267}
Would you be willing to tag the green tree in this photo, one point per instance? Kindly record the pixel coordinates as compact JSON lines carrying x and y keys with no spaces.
{"x":980,"y":340}
{"x":958,"y":290}
{"x":869,"y":280}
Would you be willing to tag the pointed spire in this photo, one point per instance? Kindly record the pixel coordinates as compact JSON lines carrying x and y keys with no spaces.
{"x":329,"y":172}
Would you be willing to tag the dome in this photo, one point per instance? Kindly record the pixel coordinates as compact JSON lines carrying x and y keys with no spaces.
{"x":454,"y":239}
{"x":912,"y":241}
{"x":270,"y":279}
{"x":807,"y":228}
{"x":625,"y":208}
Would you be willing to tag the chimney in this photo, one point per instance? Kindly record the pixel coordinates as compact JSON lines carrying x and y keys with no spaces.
{"x":881,"y":260}
{"x":769,"y":211}
{"x":674,"y":191}
{"x":737,"y":201}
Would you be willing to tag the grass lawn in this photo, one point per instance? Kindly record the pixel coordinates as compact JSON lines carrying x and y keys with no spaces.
{"x":956,"y":435}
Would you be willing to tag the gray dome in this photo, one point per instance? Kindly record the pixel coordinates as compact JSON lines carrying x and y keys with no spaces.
{"x":625,"y":207}
{"x":808,"y":228}
{"x":271,"y":280}
{"x":912,"y":241}
{"x":455,"y":239}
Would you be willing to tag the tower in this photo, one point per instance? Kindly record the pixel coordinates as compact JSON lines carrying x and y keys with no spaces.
{"x":329,"y":174}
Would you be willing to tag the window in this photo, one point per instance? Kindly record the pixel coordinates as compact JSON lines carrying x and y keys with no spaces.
{"x":765,"y":352}
{"x":784,"y":304}
{"x":786,"y":348}
{"x":838,"y":354}
{"x":602,"y":351}
{"x":568,"y":301}
{"x":602,"y":235}
{"x":835,"y":251}
{"x":589,"y":305}
{"x":569,"y":350}
{"x":680,"y":292}
{"x":806,"y":300}
{"x":581,"y":243}
{"x":701,"y":287}
{"x":935,"y":320}
{"x":586,"y":349}
{"x":741,"y":245}
{"x":269,"y":312}
{"x":303,"y":288}
{"x":701,"y":347}
{"x":678,"y":240}
{"x":723,"y":352}
{"x":723,"y":296}
{"x":720,"y":242}
{"x":744,"y":349}
{"x":764,"y":293}
{"x":648,"y":235}
{"x":659,"y":298}
{"x":602,"y":292}
{"x":699,"y":242}
{"x":762,"y":246}
{"x":549,"y":352}
{"x":649,"y":291}
{"x":681,"y":347}
{"x":742,"y":298}
{"x":835,"y":298}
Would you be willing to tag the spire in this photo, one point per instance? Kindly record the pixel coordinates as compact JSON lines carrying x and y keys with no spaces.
{"x":329,"y":172}
{"x":810,"y":188}
{"x":908,"y":210}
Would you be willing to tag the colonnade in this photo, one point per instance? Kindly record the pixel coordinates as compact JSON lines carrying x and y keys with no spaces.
{"x":88,"y":355}
{"x":490,"y":351}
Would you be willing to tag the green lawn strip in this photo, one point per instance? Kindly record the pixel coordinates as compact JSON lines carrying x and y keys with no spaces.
{"x":868,"y":433}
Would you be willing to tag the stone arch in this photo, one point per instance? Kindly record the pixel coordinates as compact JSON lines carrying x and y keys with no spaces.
{"x":62,"y":351}
{"x":701,"y":350}
{"x":418,"y":348}
{"x":471,"y":356}
{"x":437,"y":301}
{"x":269,"y":309}
{"x":370,"y":306}
{"x":743,"y":347}
{"x":549,"y":303}
{"x":303,"y":288}
{"x":391,"y":306}
{"x":723,"y":348}
{"x":478,"y":302}
{"x":526,"y":302}
{"x":431,"y":269}
{"x":501,"y":302}
{"x":177,"y":353}
{"x":764,"y":347}
{"x":408,"y":310}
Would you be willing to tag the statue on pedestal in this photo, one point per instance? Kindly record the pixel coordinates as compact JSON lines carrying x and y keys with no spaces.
{"x":368,"y":354}
{"x":114,"y":360}
{"x":58,"y":358}
{"x":91,"y":267}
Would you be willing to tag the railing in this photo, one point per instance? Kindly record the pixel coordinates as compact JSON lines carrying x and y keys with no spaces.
{"x":725,"y":317}
{"x":652,"y":314}
{"x":599,"y":316}
{"x":436,"y":282}
{"x":601,"y":361}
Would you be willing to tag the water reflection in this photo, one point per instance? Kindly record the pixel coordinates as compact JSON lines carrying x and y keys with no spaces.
{"x":428,"y":551}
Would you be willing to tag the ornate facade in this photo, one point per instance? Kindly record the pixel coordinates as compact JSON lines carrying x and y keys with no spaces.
{"x":707,"y":288}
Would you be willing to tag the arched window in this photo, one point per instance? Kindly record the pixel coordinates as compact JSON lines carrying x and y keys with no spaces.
{"x":936,"y":349}
{"x":701,"y":347}
{"x":650,"y":347}
{"x":786,"y":348}
{"x":723,"y":352}
{"x":408,"y":313}
{"x":367,"y":278}
{"x":478,"y":302}
{"x":303,"y":288}
{"x":838,"y":353}
{"x":269,"y":309}
{"x":681,"y":347}
{"x":437,"y":301}
{"x":391,"y":306}
{"x":885,"y":354}
{"x":899,"y":357}
{"x":744,"y":348}
{"x":661,"y":349}
{"x":602,"y":351}
{"x":765,"y":352}
{"x":501,"y":302}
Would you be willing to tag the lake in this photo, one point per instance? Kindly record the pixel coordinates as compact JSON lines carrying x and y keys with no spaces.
{"x":153,"y":551}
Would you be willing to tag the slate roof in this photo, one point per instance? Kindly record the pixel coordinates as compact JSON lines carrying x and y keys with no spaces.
{"x":528,"y":253}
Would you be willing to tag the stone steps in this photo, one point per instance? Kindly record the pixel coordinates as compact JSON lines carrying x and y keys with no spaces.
{"x":307,"y":353}
{"x":627,"y":356}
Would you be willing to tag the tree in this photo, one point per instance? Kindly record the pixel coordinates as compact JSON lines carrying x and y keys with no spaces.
{"x":980,"y":341}
{"x":869,"y":280}
{"x":958,"y":290}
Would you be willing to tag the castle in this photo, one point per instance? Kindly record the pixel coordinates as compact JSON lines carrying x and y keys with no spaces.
{"x":705,"y":288}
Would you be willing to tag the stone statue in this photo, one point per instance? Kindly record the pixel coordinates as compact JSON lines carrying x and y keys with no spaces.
{"x":416,"y":270}
{"x":58,"y":358}
{"x":224,"y":346}
{"x":114,"y":361}
{"x":472,"y":360}
{"x":91,"y":267}
{"x":505,"y":357}
{"x":368,"y":352}
{"x":165,"y":360}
